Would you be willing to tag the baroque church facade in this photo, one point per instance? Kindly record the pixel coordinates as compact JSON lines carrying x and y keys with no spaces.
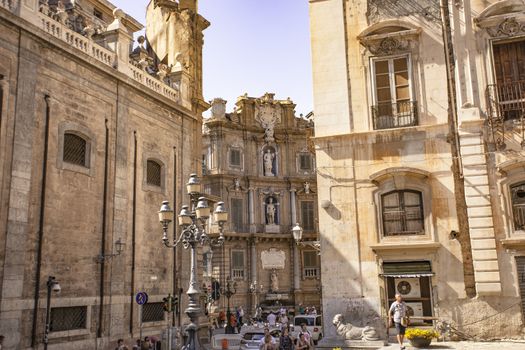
{"x":94,"y":135}
{"x":419,"y":147}
{"x":259,"y":160}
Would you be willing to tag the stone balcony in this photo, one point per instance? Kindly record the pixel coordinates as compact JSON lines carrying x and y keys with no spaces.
{"x":110,"y":48}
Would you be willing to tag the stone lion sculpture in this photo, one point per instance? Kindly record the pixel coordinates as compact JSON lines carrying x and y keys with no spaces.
{"x":350,"y":332}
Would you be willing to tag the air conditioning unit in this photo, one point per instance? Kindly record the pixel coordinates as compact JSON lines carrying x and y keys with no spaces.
{"x":408,"y":287}
{"x":415,"y":309}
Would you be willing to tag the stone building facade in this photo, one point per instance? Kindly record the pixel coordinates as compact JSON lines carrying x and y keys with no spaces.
{"x":93,"y":137}
{"x":394,"y":217}
{"x":258,"y":160}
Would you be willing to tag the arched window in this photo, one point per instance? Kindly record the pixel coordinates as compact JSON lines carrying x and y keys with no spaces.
{"x":75,"y":150}
{"x":154,"y":173}
{"x":402,"y":213}
{"x":518,"y":205}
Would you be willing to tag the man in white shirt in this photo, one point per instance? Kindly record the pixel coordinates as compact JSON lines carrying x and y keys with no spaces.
{"x":271,"y":319}
{"x":266,"y":332}
{"x":397,"y":313}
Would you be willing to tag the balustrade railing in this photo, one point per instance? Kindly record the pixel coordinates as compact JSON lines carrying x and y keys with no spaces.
{"x":506,"y":108}
{"x":311,"y":272}
{"x":9,"y":5}
{"x":102,"y":54}
{"x":394,"y":115}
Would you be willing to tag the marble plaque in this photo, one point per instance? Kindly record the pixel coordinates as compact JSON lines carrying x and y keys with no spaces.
{"x":273,"y":259}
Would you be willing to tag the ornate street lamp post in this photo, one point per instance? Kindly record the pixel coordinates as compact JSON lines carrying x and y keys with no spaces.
{"x":297,"y":232}
{"x":193,"y":224}
{"x":231,"y":289}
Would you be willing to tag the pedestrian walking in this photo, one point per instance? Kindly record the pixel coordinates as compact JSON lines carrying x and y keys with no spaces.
{"x":120,"y":344}
{"x":398,"y":314}
{"x":285,"y":342}
{"x":137,"y":345}
{"x":240,"y":315}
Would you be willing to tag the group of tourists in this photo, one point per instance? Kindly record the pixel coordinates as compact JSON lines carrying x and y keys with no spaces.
{"x":304,"y":340}
{"x":309,"y":310}
{"x":146,"y":344}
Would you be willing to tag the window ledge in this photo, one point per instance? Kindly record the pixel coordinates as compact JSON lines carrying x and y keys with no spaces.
{"x":67,"y":334}
{"x":427,"y":246}
{"x":513,"y":242}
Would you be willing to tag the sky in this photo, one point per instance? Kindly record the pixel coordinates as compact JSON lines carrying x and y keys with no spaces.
{"x":252,"y":46}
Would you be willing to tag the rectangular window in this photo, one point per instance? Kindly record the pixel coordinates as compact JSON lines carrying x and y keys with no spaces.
{"x":235,"y":157}
{"x":97,"y":13}
{"x":308,"y":215}
{"x":154,"y":173}
{"x":75,"y":150}
{"x":402,"y":213}
{"x":152,"y":312}
{"x":236,"y":214}
{"x":237,"y":264}
{"x":310,"y":264}
{"x":393,"y":104}
{"x":68,"y":318}
{"x":518,"y":206}
{"x":305,"y":162}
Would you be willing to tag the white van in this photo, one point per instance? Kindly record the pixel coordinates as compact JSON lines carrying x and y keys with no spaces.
{"x":313,"y":325}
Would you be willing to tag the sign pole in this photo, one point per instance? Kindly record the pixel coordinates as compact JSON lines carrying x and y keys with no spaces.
{"x":140,"y":323}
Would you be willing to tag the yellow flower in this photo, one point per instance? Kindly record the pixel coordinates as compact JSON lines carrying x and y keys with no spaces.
{"x":412,"y":333}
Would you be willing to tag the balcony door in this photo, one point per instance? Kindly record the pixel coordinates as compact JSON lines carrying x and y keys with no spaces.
{"x":509,"y":69}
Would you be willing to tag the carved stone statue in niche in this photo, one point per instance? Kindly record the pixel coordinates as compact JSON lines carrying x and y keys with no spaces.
{"x":271,"y":211}
{"x":274,"y":281}
{"x":268,"y":159}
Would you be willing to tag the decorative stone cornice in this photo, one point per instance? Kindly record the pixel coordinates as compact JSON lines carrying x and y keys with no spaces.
{"x":391,"y":43}
{"x":509,"y":27}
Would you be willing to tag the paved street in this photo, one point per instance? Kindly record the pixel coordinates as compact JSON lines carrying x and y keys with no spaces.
{"x":469,"y":346}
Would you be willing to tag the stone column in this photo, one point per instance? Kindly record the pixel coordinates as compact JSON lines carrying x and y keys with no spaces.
{"x":119,"y":41}
{"x":251,"y":205}
{"x":296,"y":268}
{"x":253,"y":274}
{"x":293,"y":205}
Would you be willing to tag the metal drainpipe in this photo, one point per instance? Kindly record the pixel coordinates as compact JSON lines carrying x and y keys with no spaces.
{"x":133,"y":234}
{"x":100,"y":328}
{"x":41,"y":224}
{"x":174,"y":230}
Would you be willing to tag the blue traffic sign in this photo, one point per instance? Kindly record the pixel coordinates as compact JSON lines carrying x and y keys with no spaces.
{"x":141,"y":298}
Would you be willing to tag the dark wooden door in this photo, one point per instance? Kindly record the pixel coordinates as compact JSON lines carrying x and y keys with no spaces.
{"x":509,"y":66}
{"x":509,"y":62}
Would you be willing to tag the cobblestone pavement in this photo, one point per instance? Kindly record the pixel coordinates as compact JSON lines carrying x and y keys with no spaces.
{"x":496,"y":345}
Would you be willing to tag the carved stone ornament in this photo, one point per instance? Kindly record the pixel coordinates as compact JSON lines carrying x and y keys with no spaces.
{"x":268,"y":114}
{"x":391,"y":43}
{"x":508,"y":28}
{"x":350,"y":332}
{"x":218,"y":108}
{"x":273,"y":259}
{"x":382,"y":9}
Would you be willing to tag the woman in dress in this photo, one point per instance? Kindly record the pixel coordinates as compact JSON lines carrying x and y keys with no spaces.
{"x":285,"y":342}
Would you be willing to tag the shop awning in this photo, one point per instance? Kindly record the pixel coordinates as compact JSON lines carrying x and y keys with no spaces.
{"x":407,"y":269}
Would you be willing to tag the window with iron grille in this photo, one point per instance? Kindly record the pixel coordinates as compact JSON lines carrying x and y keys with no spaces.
{"x":235,"y":157}
{"x":310,"y":264}
{"x":68,"y":318}
{"x":305,"y":162}
{"x":237,"y":264}
{"x":75,"y":150}
{"x":154,"y":173}
{"x":518,"y":205}
{"x":402,"y":213}
{"x":308,"y":215}
{"x":152,"y":312}
{"x":237,"y":214}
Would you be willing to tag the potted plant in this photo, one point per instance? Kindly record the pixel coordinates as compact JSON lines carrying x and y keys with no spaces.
{"x":420,"y":338}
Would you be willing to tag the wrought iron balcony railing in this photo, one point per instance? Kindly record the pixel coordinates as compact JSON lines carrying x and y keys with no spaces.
{"x":394,"y":115}
{"x":505,"y":102}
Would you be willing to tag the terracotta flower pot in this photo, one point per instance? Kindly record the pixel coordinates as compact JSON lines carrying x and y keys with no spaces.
{"x":420,"y":342}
